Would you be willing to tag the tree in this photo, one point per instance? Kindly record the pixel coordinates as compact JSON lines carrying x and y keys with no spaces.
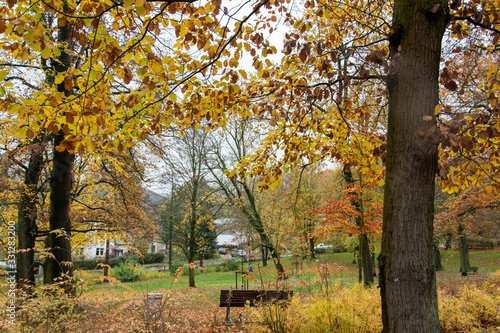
{"x":96,"y":84}
{"x":195,"y":203}
{"x":471,"y":213}
{"x":239,"y":138}
{"x":407,"y":278}
{"x":357,"y":212}
{"x":309,"y":188}
{"x":27,"y":216}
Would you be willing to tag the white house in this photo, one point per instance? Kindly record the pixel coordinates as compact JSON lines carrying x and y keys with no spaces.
{"x":98,"y":250}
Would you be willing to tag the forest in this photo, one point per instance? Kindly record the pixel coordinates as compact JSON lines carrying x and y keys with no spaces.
{"x":363,"y":126}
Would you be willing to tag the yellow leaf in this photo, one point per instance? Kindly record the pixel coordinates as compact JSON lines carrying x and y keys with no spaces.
{"x":438,"y":109}
{"x":59,"y":78}
{"x":3,"y":74}
{"x":21,"y":132}
{"x":46,"y":53}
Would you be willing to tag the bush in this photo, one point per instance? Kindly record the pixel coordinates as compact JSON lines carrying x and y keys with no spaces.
{"x":174,"y":266}
{"x":87,"y":264}
{"x":354,"y":309}
{"x":468,"y":308}
{"x":152,"y":258}
{"x":91,"y":264}
{"x":48,"y":307}
{"x":126,"y":272}
{"x":228,"y":265}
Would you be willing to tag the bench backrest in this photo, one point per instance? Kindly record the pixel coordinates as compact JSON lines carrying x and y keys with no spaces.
{"x":242,"y":297}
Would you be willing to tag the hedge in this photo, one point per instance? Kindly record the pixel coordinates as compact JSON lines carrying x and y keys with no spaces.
{"x":90,"y":264}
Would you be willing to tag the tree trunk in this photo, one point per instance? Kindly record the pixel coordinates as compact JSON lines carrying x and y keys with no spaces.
{"x":437,"y":258}
{"x":60,"y":266}
{"x":27,"y":214}
{"x":170,"y":236}
{"x":201,"y":258}
{"x":106,"y":261}
{"x":407,"y":272}
{"x":274,"y":254}
{"x":263,"y":250}
{"x":59,"y":221}
{"x":463,"y":249}
{"x":311,"y":248}
{"x":366,"y":259}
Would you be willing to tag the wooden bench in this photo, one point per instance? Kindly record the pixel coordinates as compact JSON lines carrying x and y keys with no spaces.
{"x":242,"y":297}
{"x":480,"y":244}
{"x":472,"y":269}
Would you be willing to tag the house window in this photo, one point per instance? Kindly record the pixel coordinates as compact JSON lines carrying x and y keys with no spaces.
{"x":99,"y":251}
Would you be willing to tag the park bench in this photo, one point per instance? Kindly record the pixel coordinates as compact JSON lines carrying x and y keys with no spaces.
{"x":242,"y":297}
{"x":471,"y":269}
{"x":480,"y":244}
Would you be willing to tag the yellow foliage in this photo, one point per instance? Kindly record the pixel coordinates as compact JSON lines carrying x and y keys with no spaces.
{"x":357,"y":309}
{"x":354,"y":309}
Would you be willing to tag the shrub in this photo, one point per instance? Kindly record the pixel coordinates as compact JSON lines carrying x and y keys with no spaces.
{"x":354,"y":309}
{"x":467,"y":309}
{"x":228,"y":265}
{"x":152,"y":258}
{"x":91,"y":264}
{"x":48,"y":307}
{"x":87,"y":264}
{"x":125,"y":272}
{"x":174,"y":266}
{"x":185,"y":272}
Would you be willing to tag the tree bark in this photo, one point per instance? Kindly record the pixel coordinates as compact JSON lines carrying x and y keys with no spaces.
{"x":366,"y":259}
{"x":59,"y":221}
{"x":106,"y":261}
{"x":266,"y":242}
{"x":311,"y":248}
{"x":463,"y":250}
{"x":27,"y":215}
{"x":364,"y":256}
{"x":407,"y":272}
{"x":263,"y":250}
{"x":59,"y":266}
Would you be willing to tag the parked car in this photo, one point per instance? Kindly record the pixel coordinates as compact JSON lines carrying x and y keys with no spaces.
{"x":322,"y":246}
{"x":238,"y":253}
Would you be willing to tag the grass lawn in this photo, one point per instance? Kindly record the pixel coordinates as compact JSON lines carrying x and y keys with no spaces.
{"x":307,"y":275}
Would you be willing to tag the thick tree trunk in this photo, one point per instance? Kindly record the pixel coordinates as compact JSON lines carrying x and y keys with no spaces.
{"x":27,"y":214}
{"x":60,"y":265}
{"x":407,"y":272}
{"x":59,"y":221}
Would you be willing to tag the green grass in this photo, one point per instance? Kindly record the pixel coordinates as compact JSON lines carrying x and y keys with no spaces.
{"x":339,"y":266}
